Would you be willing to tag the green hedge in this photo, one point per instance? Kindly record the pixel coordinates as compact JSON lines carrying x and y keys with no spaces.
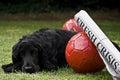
{"x":26,"y":6}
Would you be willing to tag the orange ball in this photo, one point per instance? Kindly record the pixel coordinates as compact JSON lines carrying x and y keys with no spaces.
{"x":71,"y":25}
{"x":82,"y":56}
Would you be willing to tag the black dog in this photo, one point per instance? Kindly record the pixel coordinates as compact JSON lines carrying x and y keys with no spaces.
{"x":42,"y":50}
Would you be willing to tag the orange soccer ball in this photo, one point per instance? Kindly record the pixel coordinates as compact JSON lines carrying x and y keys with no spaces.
{"x":71,"y":25}
{"x":82,"y":56}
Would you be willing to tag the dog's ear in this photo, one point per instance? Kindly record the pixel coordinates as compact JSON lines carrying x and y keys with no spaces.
{"x":15,"y":53}
{"x":41,"y":51}
{"x":39,"y":48}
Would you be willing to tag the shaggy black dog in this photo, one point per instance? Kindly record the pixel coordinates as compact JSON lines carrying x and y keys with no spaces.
{"x":42,"y":50}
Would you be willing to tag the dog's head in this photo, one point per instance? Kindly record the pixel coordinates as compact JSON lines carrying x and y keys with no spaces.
{"x":27,"y":52}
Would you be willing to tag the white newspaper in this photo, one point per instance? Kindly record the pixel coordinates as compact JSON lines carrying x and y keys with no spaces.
{"x":109,"y":54}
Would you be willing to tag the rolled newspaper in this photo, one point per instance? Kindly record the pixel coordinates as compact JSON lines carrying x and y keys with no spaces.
{"x":107,"y":51}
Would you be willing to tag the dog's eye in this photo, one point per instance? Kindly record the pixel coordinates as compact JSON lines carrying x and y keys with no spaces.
{"x":22,"y":52}
{"x":32,"y":51}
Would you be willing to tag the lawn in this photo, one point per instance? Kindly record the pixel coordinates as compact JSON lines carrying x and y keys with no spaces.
{"x":11,"y":31}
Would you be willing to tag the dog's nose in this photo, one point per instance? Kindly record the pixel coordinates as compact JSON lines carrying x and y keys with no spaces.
{"x":28,"y":69}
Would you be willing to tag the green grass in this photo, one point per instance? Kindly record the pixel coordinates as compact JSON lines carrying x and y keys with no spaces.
{"x":11,"y":31}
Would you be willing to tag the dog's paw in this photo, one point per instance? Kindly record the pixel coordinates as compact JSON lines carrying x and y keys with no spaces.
{"x":50,"y":67}
{"x":8,"y":68}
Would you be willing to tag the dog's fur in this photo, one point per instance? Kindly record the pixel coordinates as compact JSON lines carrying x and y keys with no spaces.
{"x":42,"y":50}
